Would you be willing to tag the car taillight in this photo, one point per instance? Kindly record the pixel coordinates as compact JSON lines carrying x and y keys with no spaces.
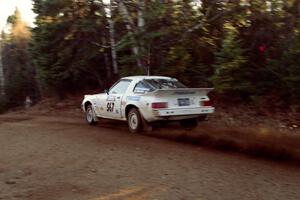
{"x":206,"y":103}
{"x":159,"y":105}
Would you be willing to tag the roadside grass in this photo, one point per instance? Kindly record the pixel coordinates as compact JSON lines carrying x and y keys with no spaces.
{"x":258,"y":142}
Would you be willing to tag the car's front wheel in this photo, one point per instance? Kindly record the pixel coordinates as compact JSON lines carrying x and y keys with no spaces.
{"x":134,"y":120}
{"x":90,"y":115}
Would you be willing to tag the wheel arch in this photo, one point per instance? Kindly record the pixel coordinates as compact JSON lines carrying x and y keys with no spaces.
{"x":86,"y":104}
{"x":129,"y":107}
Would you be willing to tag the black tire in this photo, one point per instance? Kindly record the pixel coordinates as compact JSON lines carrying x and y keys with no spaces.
{"x":134,"y":120}
{"x":90,"y":115}
{"x":189,"y":123}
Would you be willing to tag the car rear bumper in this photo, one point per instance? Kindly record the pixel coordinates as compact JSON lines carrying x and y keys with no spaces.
{"x":184,"y":111}
{"x":179,"y":113}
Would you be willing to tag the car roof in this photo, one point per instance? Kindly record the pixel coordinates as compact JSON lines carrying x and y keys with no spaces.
{"x":138,"y":78}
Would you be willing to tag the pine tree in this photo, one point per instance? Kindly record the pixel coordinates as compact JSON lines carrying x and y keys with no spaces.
{"x":19,"y":71}
{"x":68,"y":47}
{"x":229,"y":74}
{"x":286,"y":70}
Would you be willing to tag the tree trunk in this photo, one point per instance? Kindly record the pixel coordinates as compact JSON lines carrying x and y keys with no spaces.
{"x":106,"y":59}
{"x":130,"y":26}
{"x":109,"y":21}
{"x":141,"y":30}
{"x":141,"y":20}
{"x":112,"y":40}
{"x":2,"y":78}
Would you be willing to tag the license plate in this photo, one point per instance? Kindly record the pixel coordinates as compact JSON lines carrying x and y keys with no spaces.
{"x":184,"y":102}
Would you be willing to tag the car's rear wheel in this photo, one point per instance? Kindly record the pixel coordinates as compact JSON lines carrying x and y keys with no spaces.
{"x":134,"y":120}
{"x":90,"y":115}
{"x":189,"y":123}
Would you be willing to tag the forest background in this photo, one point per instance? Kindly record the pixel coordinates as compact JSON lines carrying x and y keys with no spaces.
{"x":249,"y":51}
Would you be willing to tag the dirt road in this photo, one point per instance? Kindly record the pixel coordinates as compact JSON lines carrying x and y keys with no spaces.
{"x":53,"y":158}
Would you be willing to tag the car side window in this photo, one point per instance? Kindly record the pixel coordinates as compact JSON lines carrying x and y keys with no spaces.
{"x":141,"y":87}
{"x":120,"y":87}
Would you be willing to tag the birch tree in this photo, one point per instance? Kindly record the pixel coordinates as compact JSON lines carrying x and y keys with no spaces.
{"x":112,"y":39}
{"x":141,"y":28}
{"x":132,"y":31}
{"x":107,"y":11}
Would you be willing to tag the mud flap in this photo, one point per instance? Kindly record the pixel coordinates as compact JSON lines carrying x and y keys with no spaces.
{"x":147,"y":127}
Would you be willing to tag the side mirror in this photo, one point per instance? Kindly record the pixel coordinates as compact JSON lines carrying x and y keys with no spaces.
{"x":106,"y":91}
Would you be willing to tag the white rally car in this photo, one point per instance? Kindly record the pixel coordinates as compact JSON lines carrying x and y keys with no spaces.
{"x":140,"y":100}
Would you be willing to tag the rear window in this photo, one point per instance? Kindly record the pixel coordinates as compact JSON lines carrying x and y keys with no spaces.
{"x":164,"y":83}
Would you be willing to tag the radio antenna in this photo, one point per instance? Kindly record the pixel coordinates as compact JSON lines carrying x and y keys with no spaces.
{"x":148,"y":70}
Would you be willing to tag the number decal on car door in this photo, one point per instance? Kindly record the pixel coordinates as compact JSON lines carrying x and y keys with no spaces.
{"x":110,"y":107}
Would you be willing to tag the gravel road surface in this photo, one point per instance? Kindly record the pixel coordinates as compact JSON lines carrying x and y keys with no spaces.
{"x":63,"y":158}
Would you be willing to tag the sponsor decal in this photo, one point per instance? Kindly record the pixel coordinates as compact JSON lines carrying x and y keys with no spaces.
{"x":111,"y":98}
{"x":133,"y":98}
{"x":141,"y":90}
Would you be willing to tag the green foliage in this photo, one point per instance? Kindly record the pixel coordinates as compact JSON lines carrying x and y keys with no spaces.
{"x":291,"y":61}
{"x":19,"y":73}
{"x":242,"y":48}
{"x":229,"y":66}
{"x":64,"y":46}
{"x":286,"y":70}
{"x":15,"y":18}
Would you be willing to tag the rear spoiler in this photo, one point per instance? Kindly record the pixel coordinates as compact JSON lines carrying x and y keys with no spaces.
{"x":180,"y":91}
